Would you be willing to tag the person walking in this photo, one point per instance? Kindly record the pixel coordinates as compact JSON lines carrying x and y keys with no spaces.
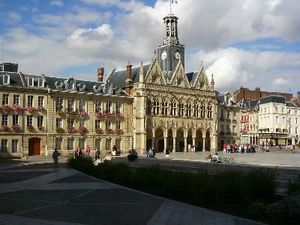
{"x":55,"y":158}
{"x":97,"y":154}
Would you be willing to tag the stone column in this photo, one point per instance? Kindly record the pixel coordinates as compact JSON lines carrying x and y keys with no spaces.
{"x":203,"y":140}
{"x":185,"y":134}
{"x":165,"y":144}
{"x":174,"y":143}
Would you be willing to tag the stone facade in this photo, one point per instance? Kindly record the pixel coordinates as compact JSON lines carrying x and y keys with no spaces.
{"x":173,"y":111}
{"x":40,"y":113}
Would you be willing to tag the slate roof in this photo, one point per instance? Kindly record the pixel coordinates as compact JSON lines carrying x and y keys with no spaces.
{"x":15,"y":79}
{"x":117,"y":78}
{"x":273,"y":98}
{"x":191,"y":76}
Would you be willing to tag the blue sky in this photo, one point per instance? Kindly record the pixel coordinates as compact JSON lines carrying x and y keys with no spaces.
{"x":250,"y":43}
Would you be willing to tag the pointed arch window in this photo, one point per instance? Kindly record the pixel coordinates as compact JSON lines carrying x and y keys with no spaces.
{"x":148,"y":107}
{"x":209,"y":111}
{"x":164,"y":108}
{"x":173,"y":108}
{"x":202,"y":110}
{"x":188,"y":109}
{"x":155,"y":107}
{"x":180,"y":109}
{"x":196,"y":110}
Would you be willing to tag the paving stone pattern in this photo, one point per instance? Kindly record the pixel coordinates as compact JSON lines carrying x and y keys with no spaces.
{"x":65,"y":196}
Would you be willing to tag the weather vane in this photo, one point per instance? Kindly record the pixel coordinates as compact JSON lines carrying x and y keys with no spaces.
{"x":172,"y":2}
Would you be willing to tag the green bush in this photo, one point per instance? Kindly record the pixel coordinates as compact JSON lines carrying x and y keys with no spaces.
{"x":229,"y":191}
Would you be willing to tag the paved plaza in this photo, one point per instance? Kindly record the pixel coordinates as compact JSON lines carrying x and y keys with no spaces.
{"x":39,"y":194}
{"x":275,"y":158}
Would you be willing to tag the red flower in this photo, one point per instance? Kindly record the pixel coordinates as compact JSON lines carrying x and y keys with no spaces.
{"x":5,"y":128}
{"x":6,"y":108}
{"x":82,"y":130}
{"x":16,"y":128}
{"x":72,"y":130}
{"x":31,"y":109}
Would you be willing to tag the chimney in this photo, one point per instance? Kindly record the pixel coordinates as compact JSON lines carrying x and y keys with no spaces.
{"x":100,"y":73}
{"x":128,"y":74}
{"x":128,"y":87}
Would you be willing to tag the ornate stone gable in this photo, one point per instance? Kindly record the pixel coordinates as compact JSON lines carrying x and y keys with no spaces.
{"x":201,"y":81}
{"x":155,"y":75}
{"x":179,"y":78}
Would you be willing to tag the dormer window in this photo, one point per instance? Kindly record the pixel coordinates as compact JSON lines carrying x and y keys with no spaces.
{"x":6,"y":79}
{"x":30,"y":81}
{"x":41,"y":82}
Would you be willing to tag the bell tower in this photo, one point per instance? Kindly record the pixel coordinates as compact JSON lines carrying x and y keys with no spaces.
{"x":171,"y":51}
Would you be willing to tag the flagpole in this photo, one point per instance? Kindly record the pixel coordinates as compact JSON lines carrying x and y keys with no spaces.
{"x":170,"y":6}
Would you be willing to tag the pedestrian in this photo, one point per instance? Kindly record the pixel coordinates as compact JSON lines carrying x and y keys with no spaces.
{"x":55,"y":157}
{"x":97,"y":154}
{"x":88,"y":150}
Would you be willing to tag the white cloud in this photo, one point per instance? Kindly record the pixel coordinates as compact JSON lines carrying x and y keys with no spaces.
{"x":280,"y":82}
{"x":14,"y":17}
{"x":90,"y":40}
{"x":57,"y":3}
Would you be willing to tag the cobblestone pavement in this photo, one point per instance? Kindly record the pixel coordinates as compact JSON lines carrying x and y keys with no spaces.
{"x":40,"y":194}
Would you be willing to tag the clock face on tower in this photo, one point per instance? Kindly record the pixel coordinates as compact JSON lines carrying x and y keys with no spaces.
{"x":163,"y":55}
{"x":177,"y":55}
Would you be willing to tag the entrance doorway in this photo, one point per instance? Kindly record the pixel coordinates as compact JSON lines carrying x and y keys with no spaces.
{"x":34,"y":146}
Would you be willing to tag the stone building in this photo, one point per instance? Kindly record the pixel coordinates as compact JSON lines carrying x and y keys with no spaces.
{"x":278,"y":121}
{"x":172,"y":110}
{"x":40,"y":113}
{"x":228,"y":120}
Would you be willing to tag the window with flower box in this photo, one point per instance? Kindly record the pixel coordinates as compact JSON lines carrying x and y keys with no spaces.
{"x":81,"y":143}
{"x":14,"y":145}
{"x":4,"y":145}
{"x":29,"y":120}
{"x":107,"y":124}
{"x":40,"y":120}
{"x":15,"y":119}
{"x":40,"y":101}
{"x":108,"y":107}
{"x":4,"y":119}
{"x":58,"y":143}
{"x":70,"y":123}
{"x":81,"y":123}
{"x":5,"y":99}
{"x":108,"y":144}
{"x":70,"y":107}
{"x":16,"y":100}
{"x":98,"y":143}
{"x":58,"y":104}
{"x":29,"y":100}
{"x":82,"y":103}
{"x":70,"y":144}
{"x":118,"y":107}
{"x":118,"y":124}
{"x":97,"y":124}
{"x":58,"y":122}
{"x":98,"y":107}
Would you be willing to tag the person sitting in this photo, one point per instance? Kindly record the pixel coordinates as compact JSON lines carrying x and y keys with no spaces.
{"x":150,"y":153}
{"x":215,"y":158}
{"x":132,"y":155}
